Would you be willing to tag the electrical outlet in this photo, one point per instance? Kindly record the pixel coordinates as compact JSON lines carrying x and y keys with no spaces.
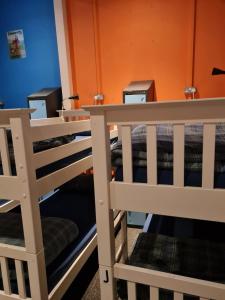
{"x":99,"y":97}
{"x":190,"y":90}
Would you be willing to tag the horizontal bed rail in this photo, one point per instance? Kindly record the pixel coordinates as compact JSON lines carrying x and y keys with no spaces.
{"x":58,"y":178}
{"x":186,"y":202}
{"x":51,"y":155}
{"x":179,"y":284}
{"x":11,"y":188}
{"x":163,"y":111}
{"x":40,"y":133}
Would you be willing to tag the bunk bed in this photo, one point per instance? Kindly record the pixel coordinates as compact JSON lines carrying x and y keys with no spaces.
{"x":45,"y":240}
{"x":154,"y":271}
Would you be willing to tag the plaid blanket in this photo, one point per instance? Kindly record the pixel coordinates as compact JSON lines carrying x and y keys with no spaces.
{"x":37,"y":146}
{"x":187,"y":257}
{"x":193,"y":147}
{"x":57,"y":233}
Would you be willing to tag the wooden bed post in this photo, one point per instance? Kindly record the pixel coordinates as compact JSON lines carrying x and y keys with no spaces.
{"x":104,"y":215}
{"x":23,"y":150}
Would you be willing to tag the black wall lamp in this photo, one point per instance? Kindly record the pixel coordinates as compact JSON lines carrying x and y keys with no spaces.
{"x":216,"y":71}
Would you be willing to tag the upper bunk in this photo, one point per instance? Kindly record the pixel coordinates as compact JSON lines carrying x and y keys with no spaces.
{"x":175,"y":199}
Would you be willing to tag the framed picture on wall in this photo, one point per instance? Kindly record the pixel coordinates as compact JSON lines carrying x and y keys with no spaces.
{"x":16,"y":44}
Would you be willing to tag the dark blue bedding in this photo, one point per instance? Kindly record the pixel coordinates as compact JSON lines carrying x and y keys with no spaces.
{"x":75,"y":202}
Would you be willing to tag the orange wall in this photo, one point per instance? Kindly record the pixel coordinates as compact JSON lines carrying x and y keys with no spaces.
{"x":114,"y":42}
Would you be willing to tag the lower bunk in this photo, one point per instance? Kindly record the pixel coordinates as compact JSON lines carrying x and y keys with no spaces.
{"x":179,"y":246}
{"x":69,"y":231}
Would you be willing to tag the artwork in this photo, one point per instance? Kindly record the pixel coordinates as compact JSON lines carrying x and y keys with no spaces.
{"x":16,"y":44}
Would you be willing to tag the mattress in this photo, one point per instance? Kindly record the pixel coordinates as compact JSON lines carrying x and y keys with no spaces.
{"x":181,"y":256}
{"x":71,"y":203}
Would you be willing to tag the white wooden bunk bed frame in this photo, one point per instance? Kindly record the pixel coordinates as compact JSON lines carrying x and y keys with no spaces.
{"x":25,"y":190}
{"x":205,"y":203}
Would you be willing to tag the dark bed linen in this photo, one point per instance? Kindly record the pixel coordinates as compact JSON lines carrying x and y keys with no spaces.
{"x":182,"y":256}
{"x":193,"y":147}
{"x":58,"y":233}
{"x":45,"y":145}
{"x":80,"y":208}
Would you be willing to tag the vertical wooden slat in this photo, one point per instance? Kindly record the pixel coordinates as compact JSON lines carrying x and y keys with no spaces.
{"x":208,"y":155}
{"x":154,"y":293}
{"x":23,"y":148}
{"x":20,"y":279}
{"x":178,"y":155}
{"x":4,"y":153}
{"x":5,"y":275}
{"x":104,"y":215}
{"x":131,"y":288}
{"x":178,"y":296}
{"x":151,"y":141}
{"x":127,"y":154}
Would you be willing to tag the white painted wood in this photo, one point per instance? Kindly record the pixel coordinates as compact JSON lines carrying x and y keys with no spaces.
{"x":131,"y":289}
{"x":8,"y":206}
{"x":5,"y":275}
{"x":6,"y":114}
{"x":174,"y":200}
{"x":178,"y":112}
{"x":47,"y":121}
{"x":51,"y":155}
{"x":151,"y":143}
{"x":178,"y":155}
{"x":127,"y":154}
{"x":23,"y":148}
{"x":37,"y":277}
{"x":187,"y":202}
{"x":113,"y":133}
{"x":73,"y":113}
{"x":20,"y":279}
{"x":10,"y":297}
{"x":40,"y":133}
{"x":53,"y":180}
{"x":154,"y":293}
{"x":104,"y":216}
{"x":4,"y":153}
{"x":119,"y":252}
{"x":61,"y":287}
{"x":180,"y":284}
{"x":63,"y":48}
{"x":208,"y":155}
{"x":7,"y":193}
{"x":118,"y":219}
{"x":15,"y":252}
{"x":178,"y":296}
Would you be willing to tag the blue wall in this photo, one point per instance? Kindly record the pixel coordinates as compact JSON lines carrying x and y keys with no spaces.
{"x":40,"y":68}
